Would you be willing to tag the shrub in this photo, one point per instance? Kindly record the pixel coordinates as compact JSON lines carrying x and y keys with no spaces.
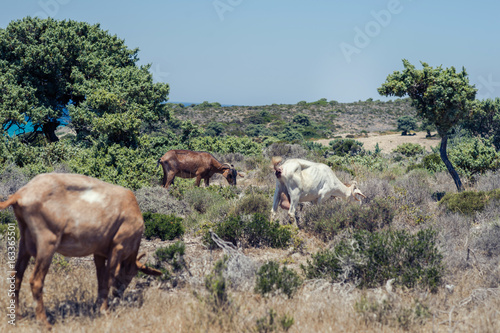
{"x":410,"y":149}
{"x":172,"y":255}
{"x":433,"y":163}
{"x":328,"y":219}
{"x":370,"y":259}
{"x":165,"y":227}
{"x":473,"y":156}
{"x":255,"y":232}
{"x":216,"y":285}
{"x":201,"y":199}
{"x":344,"y":147}
{"x":261,"y":232}
{"x":270,"y":278}
{"x":469,"y":202}
{"x":253,"y":203}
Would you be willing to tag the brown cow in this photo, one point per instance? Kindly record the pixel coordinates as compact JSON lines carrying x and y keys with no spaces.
{"x":77,"y":216}
{"x":191,"y":164}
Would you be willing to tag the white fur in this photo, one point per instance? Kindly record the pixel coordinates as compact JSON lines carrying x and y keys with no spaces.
{"x":305,"y":181}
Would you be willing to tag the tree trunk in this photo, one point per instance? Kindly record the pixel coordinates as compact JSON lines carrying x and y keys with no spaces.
{"x":49,"y":130}
{"x":449,"y":166}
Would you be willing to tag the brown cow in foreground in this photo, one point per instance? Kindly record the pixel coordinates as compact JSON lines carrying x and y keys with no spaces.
{"x":77,"y":216}
{"x":191,"y":164}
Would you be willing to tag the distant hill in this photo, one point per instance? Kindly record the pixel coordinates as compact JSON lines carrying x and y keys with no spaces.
{"x":327,"y":118}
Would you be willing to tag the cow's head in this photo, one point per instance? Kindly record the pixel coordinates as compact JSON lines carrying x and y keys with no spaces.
{"x":128,"y":270}
{"x":230,"y":173}
{"x":356,"y":194}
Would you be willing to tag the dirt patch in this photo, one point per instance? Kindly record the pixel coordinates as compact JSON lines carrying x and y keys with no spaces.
{"x":389,"y":142}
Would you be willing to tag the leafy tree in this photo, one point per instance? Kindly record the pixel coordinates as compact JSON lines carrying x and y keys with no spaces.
{"x":214,"y":128}
{"x":301,"y":119}
{"x":428,"y":127}
{"x":51,"y":68}
{"x":407,"y":124}
{"x":442,"y":96}
{"x":485,"y":120}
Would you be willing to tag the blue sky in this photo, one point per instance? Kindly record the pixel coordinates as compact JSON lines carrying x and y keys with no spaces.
{"x":256,"y":52}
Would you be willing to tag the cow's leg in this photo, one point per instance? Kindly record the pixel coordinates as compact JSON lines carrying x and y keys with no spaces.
{"x":170,"y":179}
{"x":46,"y":245}
{"x":102,"y":291}
{"x":276,"y":200}
{"x":207,"y":181}
{"x":111,"y":272}
{"x":198,"y":180}
{"x":294,"y":196}
{"x":22,"y":262}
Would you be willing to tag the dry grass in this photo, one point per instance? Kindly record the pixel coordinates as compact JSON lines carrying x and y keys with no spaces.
{"x":319,"y":306}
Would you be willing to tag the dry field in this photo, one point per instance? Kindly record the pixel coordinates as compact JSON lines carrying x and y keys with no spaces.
{"x":319,"y":306}
{"x":389,"y":142}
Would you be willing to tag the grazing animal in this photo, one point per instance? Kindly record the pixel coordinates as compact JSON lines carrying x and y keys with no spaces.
{"x":77,"y":216}
{"x":299,"y":180}
{"x":191,"y":164}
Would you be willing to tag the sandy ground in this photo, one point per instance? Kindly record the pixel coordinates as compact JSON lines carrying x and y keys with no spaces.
{"x":390,"y":141}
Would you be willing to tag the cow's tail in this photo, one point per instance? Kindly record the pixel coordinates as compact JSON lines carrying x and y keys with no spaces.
{"x":276,"y":160}
{"x":10,"y":201}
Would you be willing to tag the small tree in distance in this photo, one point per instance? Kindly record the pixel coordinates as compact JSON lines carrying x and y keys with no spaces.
{"x":407,"y":124}
{"x":441,"y":96}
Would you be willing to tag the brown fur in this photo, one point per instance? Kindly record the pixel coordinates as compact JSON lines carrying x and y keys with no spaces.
{"x":194,"y":164}
{"x":77,"y":216}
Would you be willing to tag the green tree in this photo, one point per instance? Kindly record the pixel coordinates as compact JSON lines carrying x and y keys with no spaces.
{"x":485,"y":120}
{"x":442,"y":96}
{"x":428,"y":127}
{"x":407,"y":124}
{"x":49,"y":68}
{"x":301,"y":119}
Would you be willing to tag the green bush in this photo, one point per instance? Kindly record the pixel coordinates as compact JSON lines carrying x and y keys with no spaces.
{"x":410,"y":149}
{"x":255,"y":232}
{"x":201,"y":199}
{"x":165,"y":227}
{"x":327,"y":220}
{"x":270,"y":278}
{"x":253,"y":203}
{"x":474,"y":156}
{"x":344,"y":147}
{"x":468,"y":202}
{"x":433,"y":163}
{"x":216,"y":285}
{"x":371,"y":259}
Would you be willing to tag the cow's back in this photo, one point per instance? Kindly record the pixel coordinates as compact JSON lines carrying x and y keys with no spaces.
{"x":85,"y":212}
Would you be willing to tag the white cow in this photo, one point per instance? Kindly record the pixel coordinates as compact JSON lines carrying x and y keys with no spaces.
{"x":299,"y":180}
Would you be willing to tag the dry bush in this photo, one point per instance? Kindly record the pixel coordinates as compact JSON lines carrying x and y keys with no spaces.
{"x":376,"y":188}
{"x":11,"y":179}
{"x":285,"y":150}
{"x":158,"y":200}
{"x":488,"y":181}
{"x":417,"y":187}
